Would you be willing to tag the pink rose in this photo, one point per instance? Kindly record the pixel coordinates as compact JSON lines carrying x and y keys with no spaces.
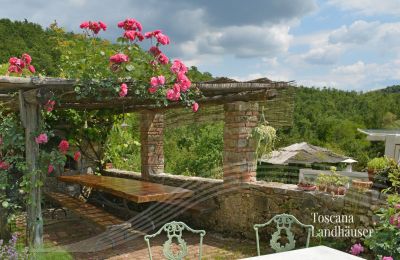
{"x":154,"y":81}
{"x":356,"y":249}
{"x":14,"y":69}
{"x":26,"y":58}
{"x":102,"y":25}
{"x":4,"y":165}
{"x":178,"y":66}
{"x":130,"y":35}
{"x":157,"y":81}
{"x":119,"y":58}
{"x":77,"y":155}
{"x":84,"y":25}
{"x":130,"y":24}
{"x":163,"y":59}
{"x":50,"y":105}
{"x":13,"y":60}
{"x":32,"y":69}
{"x":162,"y":39}
{"x":123,"y":91}
{"x":152,"y":34}
{"x":152,"y":90}
{"x":183,"y":81}
{"x":41,"y":139}
{"x":63,"y":146}
{"x":195,"y":107}
{"x":387,"y":258}
{"x":94,"y":27}
{"x":173,"y":94}
{"x":154,"y":51}
{"x":50,"y":169}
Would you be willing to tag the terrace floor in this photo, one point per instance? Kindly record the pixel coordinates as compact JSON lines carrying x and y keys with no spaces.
{"x":63,"y":230}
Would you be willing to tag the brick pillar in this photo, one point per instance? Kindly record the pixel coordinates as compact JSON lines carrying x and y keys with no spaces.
{"x":239,"y":149}
{"x":151,"y":139}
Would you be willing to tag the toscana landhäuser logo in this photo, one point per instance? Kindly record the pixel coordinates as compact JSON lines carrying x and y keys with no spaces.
{"x":338,"y":226}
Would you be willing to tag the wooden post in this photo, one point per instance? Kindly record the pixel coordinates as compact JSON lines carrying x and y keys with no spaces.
{"x":30,"y":117}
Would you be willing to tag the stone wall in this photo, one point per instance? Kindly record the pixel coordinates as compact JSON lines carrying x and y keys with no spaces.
{"x":240,"y":206}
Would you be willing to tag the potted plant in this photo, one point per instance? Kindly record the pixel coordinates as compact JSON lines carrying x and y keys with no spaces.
{"x":375,"y":165}
{"x":307,"y":184}
{"x":340,"y":184}
{"x":322,"y":181}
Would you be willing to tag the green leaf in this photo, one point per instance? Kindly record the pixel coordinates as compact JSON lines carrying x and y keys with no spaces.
{"x":5,"y":204}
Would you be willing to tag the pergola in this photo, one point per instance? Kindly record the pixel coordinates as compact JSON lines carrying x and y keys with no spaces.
{"x":240,"y":101}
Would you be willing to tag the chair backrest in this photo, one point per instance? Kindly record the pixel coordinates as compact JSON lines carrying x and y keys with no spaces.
{"x":174,"y":230}
{"x":283,"y":222}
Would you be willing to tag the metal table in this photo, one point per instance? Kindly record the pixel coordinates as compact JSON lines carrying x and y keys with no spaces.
{"x":311,"y":253}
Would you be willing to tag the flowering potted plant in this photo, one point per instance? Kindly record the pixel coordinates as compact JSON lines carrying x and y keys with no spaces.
{"x":307,"y":184}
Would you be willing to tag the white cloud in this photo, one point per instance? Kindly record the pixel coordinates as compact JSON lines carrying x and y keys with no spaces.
{"x":369,"y":7}
{"x":359,"y":32}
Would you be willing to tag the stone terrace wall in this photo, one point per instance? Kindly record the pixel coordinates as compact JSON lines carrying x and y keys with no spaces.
{"x":245,"y":204}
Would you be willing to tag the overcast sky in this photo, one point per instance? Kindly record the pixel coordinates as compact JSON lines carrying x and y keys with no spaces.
{"x":347,"y":44}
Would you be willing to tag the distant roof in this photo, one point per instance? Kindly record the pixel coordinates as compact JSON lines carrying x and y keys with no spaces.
{"x":380,"y":132}
{"x":304,"y":153}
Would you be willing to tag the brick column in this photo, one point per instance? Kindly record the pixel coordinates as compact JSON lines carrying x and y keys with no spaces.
{"x":151,"y":140}
{"x":239,"y":149}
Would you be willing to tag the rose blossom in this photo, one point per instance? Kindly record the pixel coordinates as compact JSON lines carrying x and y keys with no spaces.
{"x":50,"y":105}
{"x":387,"y":258}
{"x":84,"y":25}
{"x":155,"y":51}
{"x":123,"y":90}
{"x":152,"y":34}
{"x":173,"y":94}
{"x":162,"y":39}
{"x":77,"y":155}
{"x":356,"y":249}
{"x":178,"y":66}
{"x":63,"y":146}
{"x":152,"y":90}
{"x":157,"y":81}
{"x":14,"y":69}
{"x":103,"y":26}
{"x":119,"y":58}
{"x":41,"y":139}
{"x":195,"y":107}
{"x":130,"y":24}
{"x":26,"y":58}
{"x":183,"y":81}
{"x":50,"y":169}
{"x":163,"y":59}
{"x":4,"y":165}
{"x":32,"y":69}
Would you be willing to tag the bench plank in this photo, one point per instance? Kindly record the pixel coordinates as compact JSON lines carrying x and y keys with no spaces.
{"x":85,"y":210}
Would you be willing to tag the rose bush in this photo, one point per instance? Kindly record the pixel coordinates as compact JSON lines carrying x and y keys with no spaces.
{"x":125,"y":69}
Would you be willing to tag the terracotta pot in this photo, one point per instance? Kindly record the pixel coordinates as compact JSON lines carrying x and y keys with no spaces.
{"x":331,"y":189}
{"x":362,"y":185}
{"x":307,"y":187}
{"x":371,"y":174}
{"x":341,"y":190}
{"x":322,"y":187}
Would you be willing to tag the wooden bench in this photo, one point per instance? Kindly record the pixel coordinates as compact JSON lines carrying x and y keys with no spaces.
{"x":94,"y":214}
